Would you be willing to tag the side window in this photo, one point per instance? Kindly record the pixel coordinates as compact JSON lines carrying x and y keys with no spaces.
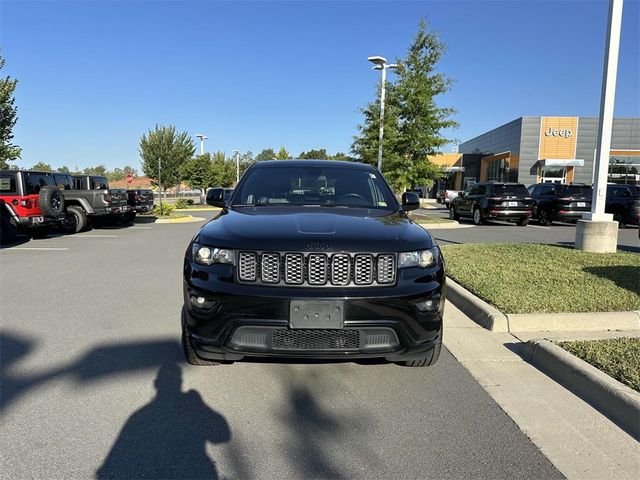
{"x":7,"y":183}
{"x":548,"y":190}
{"x":478,"y":190}
{"x":531,"y":189}
{"x":99,"y":183}
{"x":64,"y":182}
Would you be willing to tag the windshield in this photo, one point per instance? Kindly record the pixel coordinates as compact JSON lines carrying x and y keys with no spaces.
{"x":584,"y":190}
{"x":512,"y":190}
{"x":314,"y":186}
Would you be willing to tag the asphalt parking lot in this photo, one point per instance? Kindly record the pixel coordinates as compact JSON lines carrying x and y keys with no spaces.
{"x":557,"y":233}
{"x":93,"y":384}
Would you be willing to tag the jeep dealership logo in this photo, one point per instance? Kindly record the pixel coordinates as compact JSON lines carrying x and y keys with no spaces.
{"x":556,"y":132}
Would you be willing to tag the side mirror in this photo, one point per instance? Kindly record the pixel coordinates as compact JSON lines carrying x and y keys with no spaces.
{"x":215,"y":197}
{"x":410,"y":201}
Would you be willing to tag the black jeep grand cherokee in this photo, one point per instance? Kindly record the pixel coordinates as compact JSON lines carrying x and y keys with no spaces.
{"x":313,"y":259}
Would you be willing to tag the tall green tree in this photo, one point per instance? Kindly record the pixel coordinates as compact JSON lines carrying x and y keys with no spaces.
{"x":166,"y":150}
{"x":116,"y":174}
{"x":414,"y":123}
{"x":8,"y":118}
{"x":99,"y":170}
{"x":341,"y":156}
{"x":266,"y":154}
{"x":64,"y":169}
{"x":42,"y":167}
{"x":198,"y":172}
{"x":246,"y":160}
{"x":223,"y":171}
{"x":282,"y":154}
{"x":314,"y":154}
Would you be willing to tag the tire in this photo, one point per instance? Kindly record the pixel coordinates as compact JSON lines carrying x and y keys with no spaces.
{"x":543,"y":218}
{"x":448,"y":205}
{"x":75,"y":221}
{"x":453,"y":215}
{"x":617,"y":217}
{"x":477,"y":217}
{"x":189,"y":352}
{"x":523,"y":223}
{"x":430,"y":359}
{"x":51,"y":201}
{"x":8,"y":232}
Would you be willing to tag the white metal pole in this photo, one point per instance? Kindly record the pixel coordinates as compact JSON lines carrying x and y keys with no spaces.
{"x":605,"y":121}
{"x":382,"y":88}
{"x":237,"y":167}
{"x":160,"y":183}
{"x":201,"y":146}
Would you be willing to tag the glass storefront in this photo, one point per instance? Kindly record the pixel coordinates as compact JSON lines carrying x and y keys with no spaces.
{"x":624,"y":169}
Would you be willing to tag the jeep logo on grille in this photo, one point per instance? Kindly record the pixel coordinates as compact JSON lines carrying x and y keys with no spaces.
{"x":318,"y":246}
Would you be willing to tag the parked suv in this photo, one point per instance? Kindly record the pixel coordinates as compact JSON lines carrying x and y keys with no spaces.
{"x":313,"y":259}
{"x":493,"y":201}
{"x":140,"y":200}
{"x":623,"y":201}
{"x":30,"y":202}
{"x":560,"y":202}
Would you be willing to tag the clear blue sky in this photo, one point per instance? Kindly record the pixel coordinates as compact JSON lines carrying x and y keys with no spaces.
{"x":96,"y":75}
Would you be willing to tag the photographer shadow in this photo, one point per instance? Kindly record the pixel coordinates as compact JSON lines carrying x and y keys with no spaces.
{"x":167,"y":438}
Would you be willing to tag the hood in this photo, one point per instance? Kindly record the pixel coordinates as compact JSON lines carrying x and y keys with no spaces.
{"x":314,"y":229}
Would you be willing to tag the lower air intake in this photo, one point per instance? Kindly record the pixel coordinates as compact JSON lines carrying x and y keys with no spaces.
{"x":315,"y":339}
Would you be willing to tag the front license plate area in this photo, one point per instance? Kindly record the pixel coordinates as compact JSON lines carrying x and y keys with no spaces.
{"x":316,"y":314}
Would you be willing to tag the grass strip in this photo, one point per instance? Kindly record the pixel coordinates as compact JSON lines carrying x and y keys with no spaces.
{"x":617,"y":357}
{"x":530,"y":278}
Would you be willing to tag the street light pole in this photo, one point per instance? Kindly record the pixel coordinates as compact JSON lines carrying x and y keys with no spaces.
{"x":160,"y":182}
{"x":237,"y":152}
{"x":202,"y":138}
{"x":597,"y":232}
{"x":381,"y":64}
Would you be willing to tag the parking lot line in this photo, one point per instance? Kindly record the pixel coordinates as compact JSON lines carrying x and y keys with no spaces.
{"x":54,"y":249}
{"x":538,"y":226}
{"x":94,"y":236}
{"x":139,"y":228}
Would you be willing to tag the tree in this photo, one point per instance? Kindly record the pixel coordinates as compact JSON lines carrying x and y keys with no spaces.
{"x":116,"y":174}
{"x":166,"y":150}
{"x":99,"y":171}
{"x":8,"y":118}
{"x":64,"y":169}
{"x":198,"y":172}
{"x":413,"y":122}
{"x":223,"y":171}
{"x":42,"y":167}
{"x":266,"y":154}
{"x":130,"y":171}
{"x":341,"y":156}
{"x":282,"y":154}
{"x":246,"y":160}
{"x":314,"y":154}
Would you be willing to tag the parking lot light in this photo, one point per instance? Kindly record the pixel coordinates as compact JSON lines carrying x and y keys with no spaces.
{"x":380,"y":63}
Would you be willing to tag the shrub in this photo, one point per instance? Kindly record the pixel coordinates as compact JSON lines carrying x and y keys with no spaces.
{"x":163,"y":209}
{"x":181,"y":203}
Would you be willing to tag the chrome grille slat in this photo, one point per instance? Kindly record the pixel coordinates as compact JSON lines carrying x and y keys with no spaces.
{"x":248,"y":266}
{"x":270,"y":267}
{"x":314,"y":269}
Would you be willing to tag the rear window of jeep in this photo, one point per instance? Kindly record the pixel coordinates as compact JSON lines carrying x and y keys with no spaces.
{"x":34,"y":181}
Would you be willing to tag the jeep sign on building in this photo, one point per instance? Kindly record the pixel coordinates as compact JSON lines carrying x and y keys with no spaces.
{"x":551,"y":149}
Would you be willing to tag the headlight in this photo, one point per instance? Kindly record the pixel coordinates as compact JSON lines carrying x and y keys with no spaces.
{"x":421,"y":258}
{"x":209,"y":255}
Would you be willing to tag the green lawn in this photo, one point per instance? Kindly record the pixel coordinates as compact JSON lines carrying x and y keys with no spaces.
{"x":528,"y":278}
{"x":617,"y":357}
{"x":424,"y":220}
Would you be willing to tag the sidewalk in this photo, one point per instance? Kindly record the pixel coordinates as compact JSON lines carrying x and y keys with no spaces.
{"x":576,"y":438}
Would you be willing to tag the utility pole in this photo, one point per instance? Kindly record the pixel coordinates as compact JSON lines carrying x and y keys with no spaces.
{"x":597,"y":232}
{"x":202,"y":138}
{"x":237,"y":152}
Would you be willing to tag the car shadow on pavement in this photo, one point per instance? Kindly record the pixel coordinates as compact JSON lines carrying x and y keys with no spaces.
{"x":624,"y":276}
{"x":17,"y":241}
{"x":166,"y":438}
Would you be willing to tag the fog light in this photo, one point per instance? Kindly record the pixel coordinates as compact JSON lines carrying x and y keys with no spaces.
{"x":201,"y":302}
{"x":427,"y":305}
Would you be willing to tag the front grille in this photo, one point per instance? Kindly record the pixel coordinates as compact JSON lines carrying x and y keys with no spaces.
{"x":317,"y":269}
{"x":312,"y":339}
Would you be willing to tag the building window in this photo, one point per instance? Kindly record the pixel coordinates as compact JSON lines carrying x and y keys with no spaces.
{"x":498,"y":170}
{"x":624,"y":169}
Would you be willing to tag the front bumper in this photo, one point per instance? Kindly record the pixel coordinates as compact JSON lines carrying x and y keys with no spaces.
{"x":237,"y":320}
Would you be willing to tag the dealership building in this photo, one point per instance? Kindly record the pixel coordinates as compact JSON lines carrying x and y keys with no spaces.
{"x":544,"y":149}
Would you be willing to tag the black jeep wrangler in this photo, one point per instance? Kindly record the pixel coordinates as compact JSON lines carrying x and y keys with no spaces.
{"x":313,"y":259}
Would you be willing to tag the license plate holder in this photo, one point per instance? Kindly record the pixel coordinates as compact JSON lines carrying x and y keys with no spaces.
{"x":316,"y":314}
{"x":582,"y":204}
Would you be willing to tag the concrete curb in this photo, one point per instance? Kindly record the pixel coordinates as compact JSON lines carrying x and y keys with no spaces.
{"x":617,"y":401}
{"x":188,"y":219}
{"x":476,"y":309}
{"x":493,"y":319}
{"x":212,"y":209}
